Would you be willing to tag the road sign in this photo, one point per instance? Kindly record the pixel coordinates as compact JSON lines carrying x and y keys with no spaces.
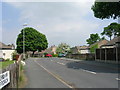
{"x":4,"y":79}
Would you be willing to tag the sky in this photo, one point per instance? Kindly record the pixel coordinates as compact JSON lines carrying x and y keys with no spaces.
{"x":62,"y":22}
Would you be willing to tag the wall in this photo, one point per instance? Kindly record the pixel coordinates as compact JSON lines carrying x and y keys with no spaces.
{"x":84,"y":51}
{"x":81,"y":56}
{"x":8,"y":54}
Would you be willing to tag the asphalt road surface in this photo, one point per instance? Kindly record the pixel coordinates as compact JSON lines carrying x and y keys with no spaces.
{"x":64,"y":73}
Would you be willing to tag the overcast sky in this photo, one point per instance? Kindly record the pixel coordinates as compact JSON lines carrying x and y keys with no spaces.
{"x":61,"y":22}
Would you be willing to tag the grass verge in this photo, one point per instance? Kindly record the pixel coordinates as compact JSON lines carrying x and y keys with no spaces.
{"x":4,"y":64}
{"x":22,"y":78}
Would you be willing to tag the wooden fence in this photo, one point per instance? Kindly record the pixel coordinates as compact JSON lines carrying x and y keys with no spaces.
{"x":89,"y":56}
{"x":14,"y":74}
{"x":108,"y":54}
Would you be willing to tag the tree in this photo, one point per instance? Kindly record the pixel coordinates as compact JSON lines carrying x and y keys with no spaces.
{"x":93,"y":38}
{"x":112,"y":29}
{"x":34,"y":40}
{"x":107,"y":10}
{"x":63,"y":48}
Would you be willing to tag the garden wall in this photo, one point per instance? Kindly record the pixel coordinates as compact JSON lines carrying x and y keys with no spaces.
{"x":81,"y":56}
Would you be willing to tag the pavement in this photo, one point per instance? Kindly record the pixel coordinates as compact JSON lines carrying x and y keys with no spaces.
{"x":66,"y":73}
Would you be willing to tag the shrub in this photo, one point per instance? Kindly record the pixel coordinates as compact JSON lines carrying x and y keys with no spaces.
{"x":55,"y":55}
{"x":45,"y":53}
{"x":93,"y":48}
{"x":7,"y":59}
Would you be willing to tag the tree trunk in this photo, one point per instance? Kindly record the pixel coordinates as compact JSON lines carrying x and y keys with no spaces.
{"x":33,"y":53}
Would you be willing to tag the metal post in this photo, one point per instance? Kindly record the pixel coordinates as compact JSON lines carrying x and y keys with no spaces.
{"x":24,"y":41}
{"x":105,"y":54}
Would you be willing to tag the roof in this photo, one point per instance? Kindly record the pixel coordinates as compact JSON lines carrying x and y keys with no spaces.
{"x":50,"y":50}
{"x":113,"y":41}
{"x":81,"y":47}
{"x":100,"y":43}
{"x":3,"y":46}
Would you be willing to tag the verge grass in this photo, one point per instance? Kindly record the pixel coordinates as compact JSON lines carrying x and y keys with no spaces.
{"x":4,"y":64}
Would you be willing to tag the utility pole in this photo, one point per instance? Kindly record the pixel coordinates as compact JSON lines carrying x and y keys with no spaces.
{"x":24,"y":25}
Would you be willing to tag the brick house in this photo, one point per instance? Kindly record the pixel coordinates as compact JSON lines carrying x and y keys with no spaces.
{"x":80,"y":50}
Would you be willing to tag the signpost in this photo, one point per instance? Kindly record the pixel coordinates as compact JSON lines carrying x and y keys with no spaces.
{"x":4,"y":79}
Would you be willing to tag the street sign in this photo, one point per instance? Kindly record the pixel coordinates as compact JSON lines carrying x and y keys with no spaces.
{"x":4,"y":79}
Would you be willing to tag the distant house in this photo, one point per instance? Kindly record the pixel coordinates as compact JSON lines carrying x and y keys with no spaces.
{"x":80,"y":50}
{"x":6,"y":51}
{"x":112,"y":43}
{"x":50,"y":50}
{"x":98,"y":44}
{"x":109,"y":51}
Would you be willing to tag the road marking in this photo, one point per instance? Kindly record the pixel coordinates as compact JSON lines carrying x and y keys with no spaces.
{"x":117,"y":78}
{"x":61,"y":63}
{"x":89,"y":71}
{"x":54,"y":75}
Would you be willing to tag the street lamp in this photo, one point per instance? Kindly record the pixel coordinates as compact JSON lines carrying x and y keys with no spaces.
{"x":24,"y":25}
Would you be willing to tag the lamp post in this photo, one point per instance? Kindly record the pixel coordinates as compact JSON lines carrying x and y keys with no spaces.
{"x":24,"y":25}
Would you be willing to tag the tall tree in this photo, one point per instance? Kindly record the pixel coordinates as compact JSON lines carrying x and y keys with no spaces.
{"x":107,"y":10}
{"x":112,"y":30}
{"x":63,"y":48}
{"x":93,"y":38}
{"x":34,"y":40}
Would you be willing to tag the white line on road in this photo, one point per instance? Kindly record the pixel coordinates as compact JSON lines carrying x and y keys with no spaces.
{"x":117,"y":78}
{"x":61,"y":63}
{"x":89,"y":71}
{"x":54,"y":75}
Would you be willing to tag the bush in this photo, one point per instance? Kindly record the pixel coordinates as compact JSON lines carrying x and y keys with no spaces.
{"x":55,"y":55}
{"x":45,"y":53}
{"x":93,"y":48}
{"x":7,"y":59}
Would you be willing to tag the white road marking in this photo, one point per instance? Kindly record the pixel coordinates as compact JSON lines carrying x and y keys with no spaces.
{"x":117,"y":78}
{"x":54,"y":75}
{"x":61,"y":63}
{"x":89,"y":71}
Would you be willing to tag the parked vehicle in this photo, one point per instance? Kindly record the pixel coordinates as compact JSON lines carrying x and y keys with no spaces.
{"x":1,"y":59}
{"x":61,"y":55}
{"x":48,"y":55}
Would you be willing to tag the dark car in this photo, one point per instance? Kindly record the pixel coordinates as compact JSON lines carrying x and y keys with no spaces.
{"x":1,"y":59}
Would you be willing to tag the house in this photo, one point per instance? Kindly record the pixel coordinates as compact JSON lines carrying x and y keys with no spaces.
{"x":109,"y":52}
{"x":50,"y":50}
{"x":100,"y":43}
{"x":6,"y":51}
{"x":97,"y":44}
{"x":112,"y":43}
{"x":80,"y":50}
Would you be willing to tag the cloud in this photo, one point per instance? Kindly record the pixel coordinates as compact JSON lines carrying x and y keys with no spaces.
{"x":69,"y":22}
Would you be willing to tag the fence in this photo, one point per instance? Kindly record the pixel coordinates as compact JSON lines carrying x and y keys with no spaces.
{"x":108,"y":54}
{"x":89,"y":56}
{"x":14,"y":74}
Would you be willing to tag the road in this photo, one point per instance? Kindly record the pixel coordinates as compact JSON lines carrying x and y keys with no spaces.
{"x":63,"y":73}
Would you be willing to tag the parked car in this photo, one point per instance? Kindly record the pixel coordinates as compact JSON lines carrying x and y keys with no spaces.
{"x":61,"y":55}
{"x":48,"y":55}
{"x":1,"y":59}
